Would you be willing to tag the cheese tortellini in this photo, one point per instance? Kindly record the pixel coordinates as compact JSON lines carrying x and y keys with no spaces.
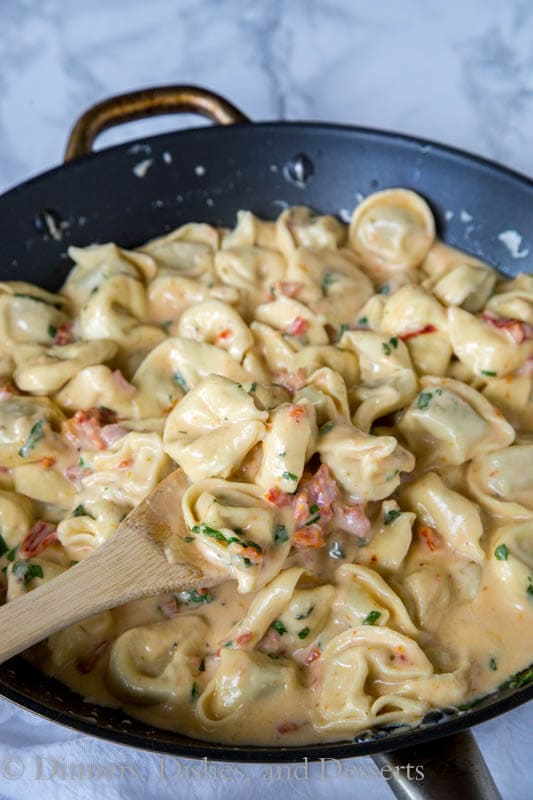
{"x":352,"y":408}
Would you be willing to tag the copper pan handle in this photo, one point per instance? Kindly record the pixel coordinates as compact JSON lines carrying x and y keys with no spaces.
{"x":148,"y":103}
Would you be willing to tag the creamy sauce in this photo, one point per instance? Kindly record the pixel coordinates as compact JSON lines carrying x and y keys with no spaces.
{"x":352,"y":409}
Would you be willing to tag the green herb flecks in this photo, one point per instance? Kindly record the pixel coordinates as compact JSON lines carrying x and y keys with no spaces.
{"x":279,"y":627}
{"x":196,"y":597}
{"x":424,"y":399}
{"x":26,"y":572}
{"x":389,"y":346}
{"x":281,"y":534}
{"x":385,"y":289}
{"x":79,"y":511}
{"x":327,"y":427}
{"x":304,"y":633}
{"x":328,"y":280}
{"x":52,"y":331}
{"x":493,"y":664}
{"x":372,"y":617}
{"x":195,"y":692}
{"x":390,"y":516}
{"x":180,"y":380}
{"x":34,"y":437}
{"x":305,"y":614}
{"x":290,"y":476}
{"x":488,"y":373}
{"x":502,"y":552}
{"x":336,"y":551}
{"x":12,"y":554}
{"x":363,"y":321}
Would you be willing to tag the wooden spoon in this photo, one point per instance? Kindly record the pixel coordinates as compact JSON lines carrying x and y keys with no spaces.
{"x":146,"y":556}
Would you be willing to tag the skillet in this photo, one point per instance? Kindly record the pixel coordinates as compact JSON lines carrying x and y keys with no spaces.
{"x":133,"y":192}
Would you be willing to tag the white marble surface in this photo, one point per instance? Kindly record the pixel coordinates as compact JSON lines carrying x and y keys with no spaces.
{"x":458,"y":72}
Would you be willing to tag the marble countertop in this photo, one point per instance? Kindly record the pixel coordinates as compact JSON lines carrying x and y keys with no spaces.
{"x":459,"y":73}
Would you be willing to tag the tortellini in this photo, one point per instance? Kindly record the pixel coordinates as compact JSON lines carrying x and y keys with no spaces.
{"x":450,"y":423}
{"x":392,"y":229}
{"x":212,"y":429}
{"x":367,"y":467}
{"x":350,"y":410}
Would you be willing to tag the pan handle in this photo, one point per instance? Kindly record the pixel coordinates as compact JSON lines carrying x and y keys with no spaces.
{"x":452,"y":767}
{"x":148,"y":103}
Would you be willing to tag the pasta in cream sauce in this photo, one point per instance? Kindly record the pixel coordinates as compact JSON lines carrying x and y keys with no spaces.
{"x":352,"y":406}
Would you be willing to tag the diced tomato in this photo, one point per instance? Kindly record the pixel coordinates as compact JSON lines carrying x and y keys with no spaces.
{"x":169,"y":607}
{"x":288,"y":288}
{"x":90,"y":662}
{"x":244,"y":639}
{"x":352,"y":519}
{"x":513,"y":327}
{"x":277,"y":497}
{"x":419,"y":332}
{"x":7,"y":390}
{"x":251,"y":553}
{"x":323,"y":486}
{"x":309,"y":536}
{"x":84,"y":429}
{"x":224,"y":335}
{"x":297,"y":413}
{"x":288,"y":727}
{"x":64,"y":334}
{"x":126,"y":463}
{"x":430,"y":537}
{"x":38,"y":539}
{"x":312,"y":656}
{"x":291,"y":380}
{"x":47,"y":462}
{"x":75,"y":472}
{"x":297,"y":326}
{"x":301,"y":507}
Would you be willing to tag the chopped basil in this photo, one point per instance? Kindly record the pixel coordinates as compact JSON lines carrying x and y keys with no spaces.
{"x":327,"y":427}
{"x":502,"y":552}
{"x":314,"y":508}
{"x":26,"y":572}
{"x":282,"y":454}
{"x":424,"y":399}
{"x":79,"y":511}
{"x":253,"y":387}
{"x":180,"y":380}
{"x":280,"y":534}
{"x":493,"y":665}
{"x":3,"y":546}
{"x":529,"y":589}
{"x":188,"y":539}
{"x":195,"y":692}
{"x":228,"y":644}
{"x":343,"y":328}
{"x":196,"y":597}
{"x":372,"y":617}
{"x":289,"y":476}
{"x":304,"y":633}
{"x":393,"y":342}
{"x":392,"y":475}
{"x":336,"y":551}
{"x":83,"y":463}
{"x":520,"y":679}
{"x":279,"y":627}
{"x":362,"y":321}
{"x":390,"y":516}
{"x":306,"y":614}
{"x":386,"y":348}
{"x":328,"y":280}
{"x":34,"y":437}
{"x":52,"y":331}
{"x":385,"y":289}
{"x":11,"y":555}
{"x":211,"y":532}
{"x":488,"y":372}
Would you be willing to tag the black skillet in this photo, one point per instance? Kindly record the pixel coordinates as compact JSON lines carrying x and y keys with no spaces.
{"x":208,"y":174}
